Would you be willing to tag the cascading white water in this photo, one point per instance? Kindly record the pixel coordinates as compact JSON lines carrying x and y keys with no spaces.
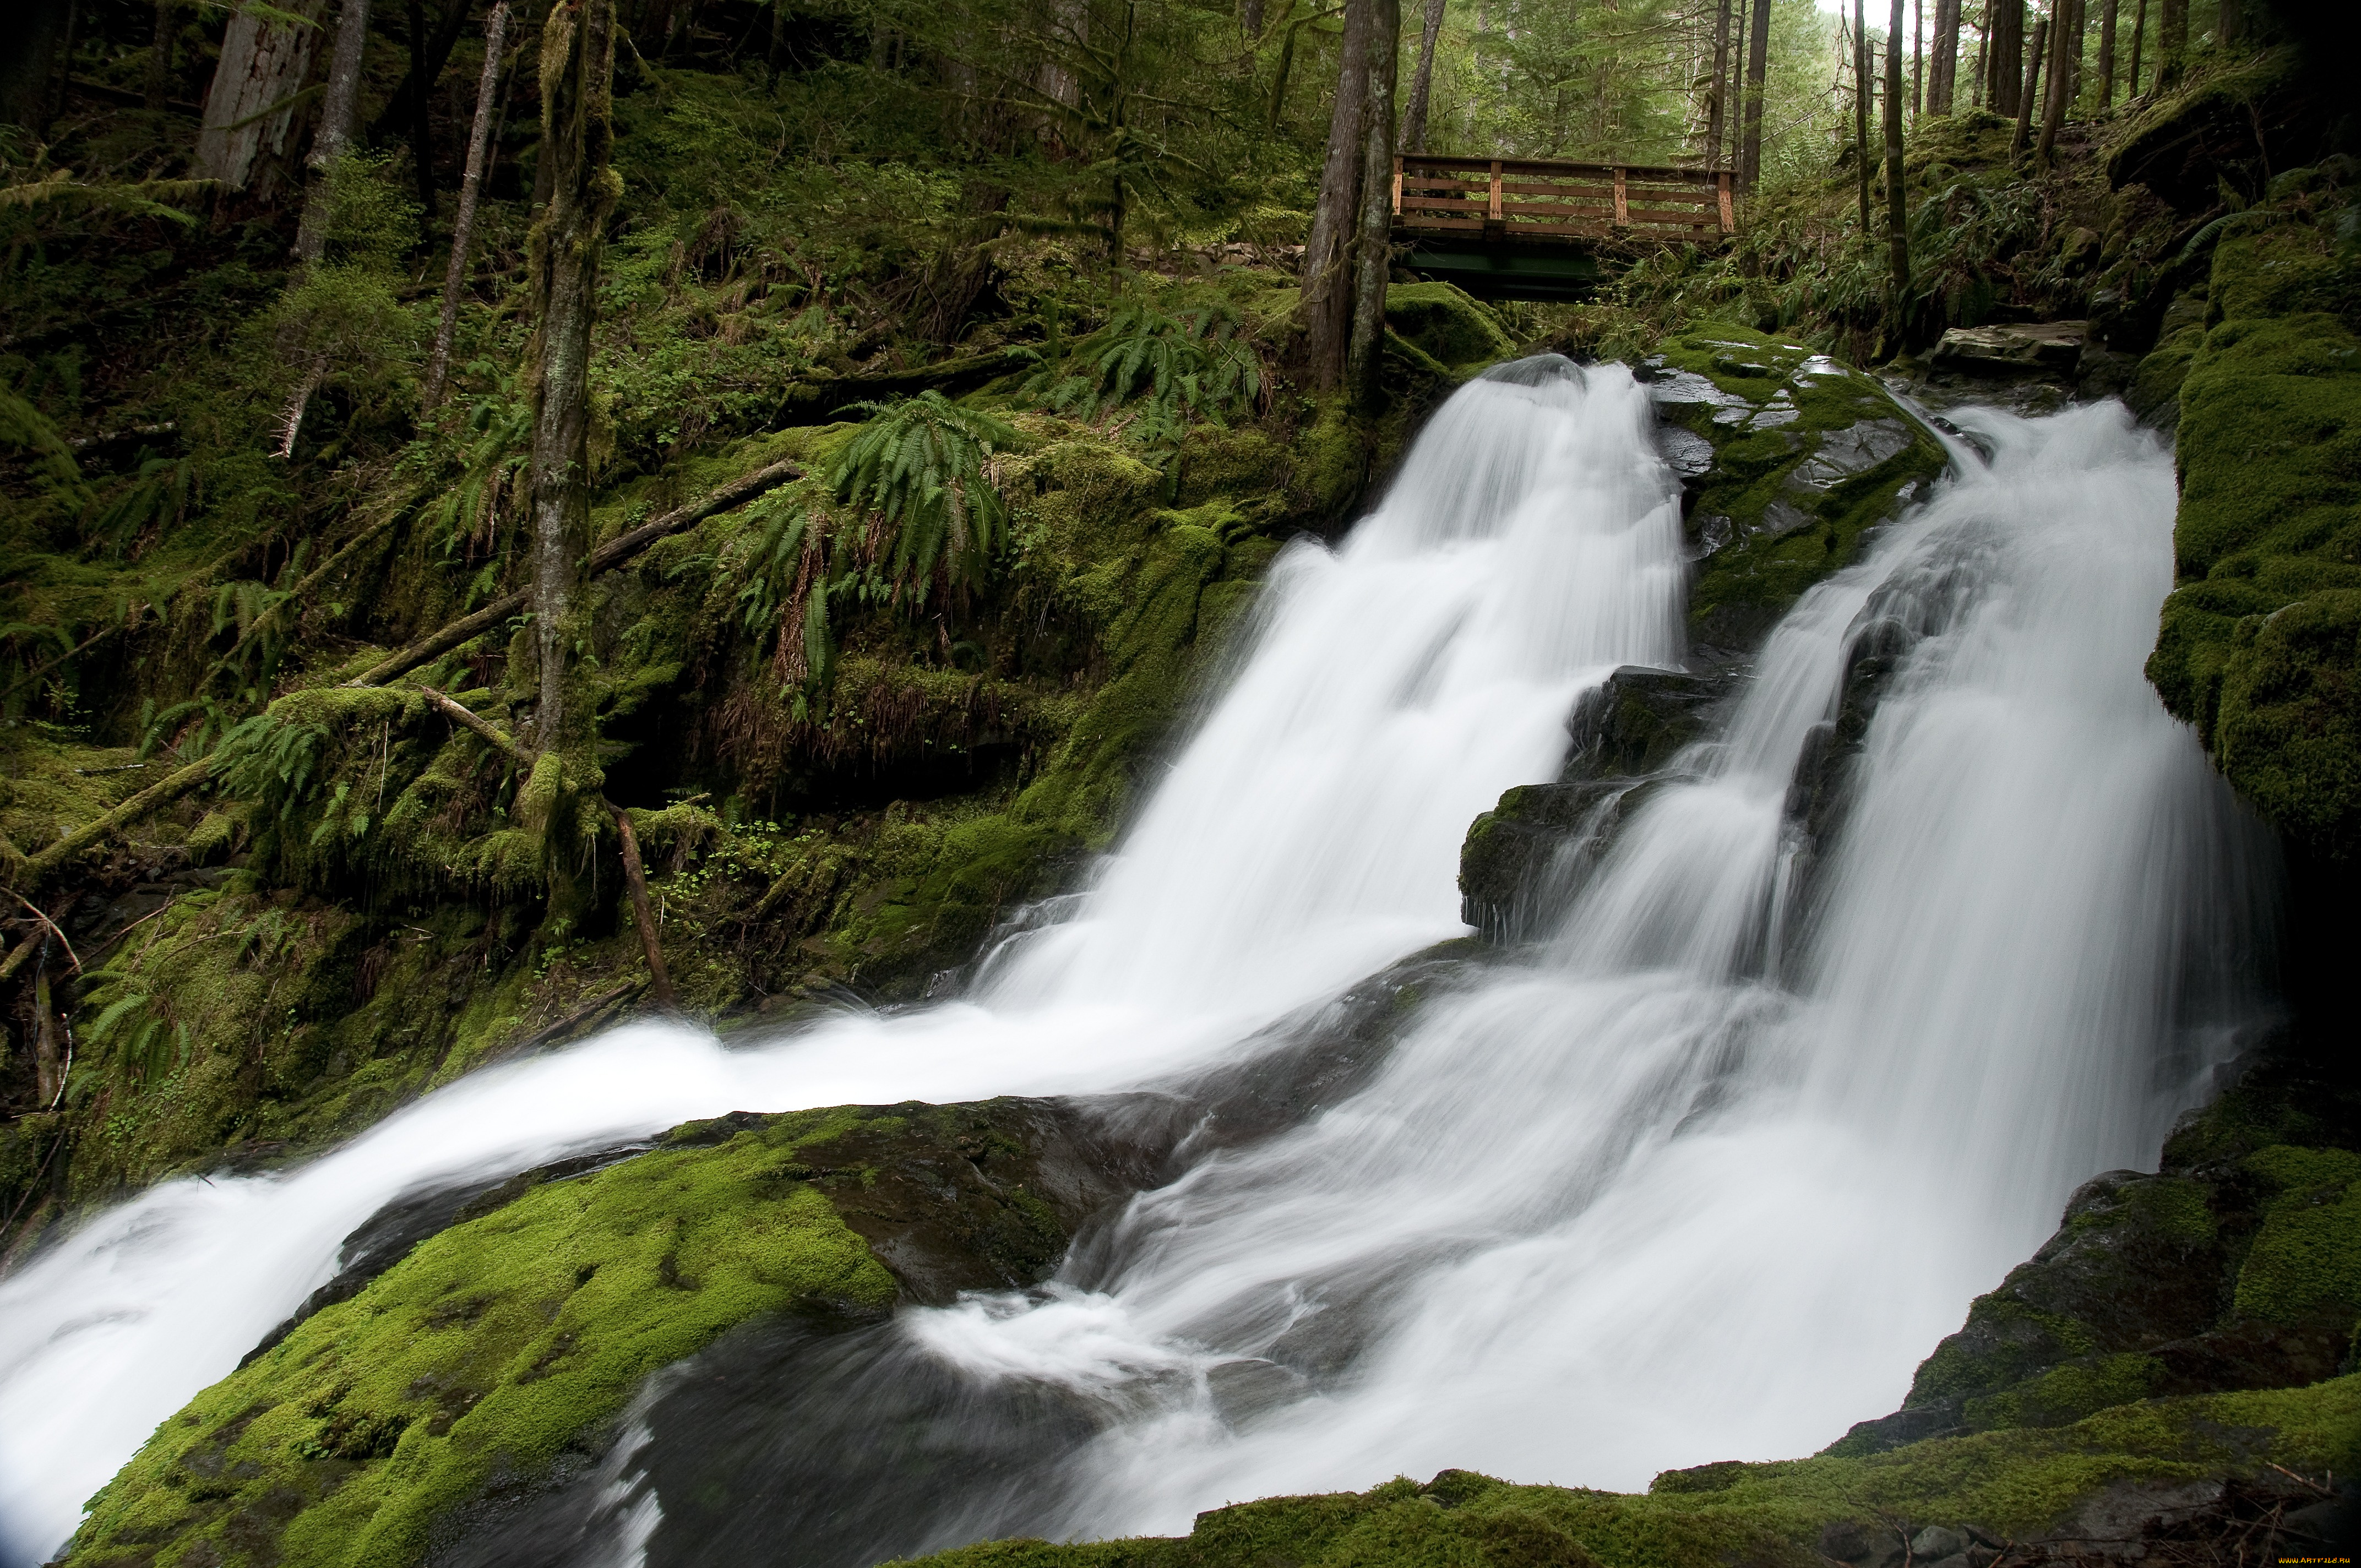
{"x":1306,"y":835}
{"x":1678,"y":1192}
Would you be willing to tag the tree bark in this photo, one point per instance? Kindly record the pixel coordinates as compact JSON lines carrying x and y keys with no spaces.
{"x":577,"y":62}
{"x":1758,"y":66}
{"x":778,"y":49}
{"x":2171,"y":43}
{"x":1373,"y":245}
{"x":31,"y":32}
{"x":2139,"y":37}
{"x":1413,"y":135}
{"x":471,"y":185}
{"x":1717,"y":110}
{"x":1897,"y":214}
{"x":421,"y":145}
{"x":2030,"y":89}
{"x":1860,"y":95}
{"x":1327,"y":254}
{"x":47,"y":1086}
{"x":1250,"y":19}
{"x":250,"y":104}
{"x":2064,"y":67}
{"x":2005,"y":60}
{"x":158,"y":86}
{"x":2108,"y":55}
{"x":643,"y":913}
{"x":335,"y":130}
{"x":1981,"y":85}
{"x":2230,"y":26}
{"x":1918,"y":57}
{"x":1943,"y":71}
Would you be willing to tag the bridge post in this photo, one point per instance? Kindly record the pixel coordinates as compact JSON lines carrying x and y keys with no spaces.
{"x":1623,"y":203}
{"x":1729,"y":219}
{"x":1495,"y":215}
{"x":1398,"y":171}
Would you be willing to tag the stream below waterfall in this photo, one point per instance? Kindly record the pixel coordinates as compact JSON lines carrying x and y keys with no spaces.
{"x":1703,"y":1175}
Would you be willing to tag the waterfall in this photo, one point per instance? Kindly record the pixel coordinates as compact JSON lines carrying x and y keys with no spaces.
{"x":1306,"y":834}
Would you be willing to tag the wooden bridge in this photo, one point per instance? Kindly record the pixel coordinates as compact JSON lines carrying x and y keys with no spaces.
{"x":1526,"y":228}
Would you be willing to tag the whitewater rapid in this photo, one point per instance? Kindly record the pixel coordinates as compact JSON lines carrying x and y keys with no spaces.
{"x":1306,"y":834}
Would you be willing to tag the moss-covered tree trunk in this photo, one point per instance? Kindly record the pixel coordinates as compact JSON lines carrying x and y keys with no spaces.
{"x":1860,"y":96}
{"x":1373,"y":255}
{"x":2172,"y":43}
{"x":577,"y":60}
{"x":1718,"y":106}
{"x":1327,"y":257}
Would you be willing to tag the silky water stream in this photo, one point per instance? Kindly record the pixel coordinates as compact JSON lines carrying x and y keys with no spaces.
{"x":1701,"y":1176}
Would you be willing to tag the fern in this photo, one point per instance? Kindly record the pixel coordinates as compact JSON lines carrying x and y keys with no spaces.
{"x":918,"y":468}
{"x":1197,"y":363}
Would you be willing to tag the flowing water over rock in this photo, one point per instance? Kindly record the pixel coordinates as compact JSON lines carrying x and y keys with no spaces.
{"x":1700,"y":1176}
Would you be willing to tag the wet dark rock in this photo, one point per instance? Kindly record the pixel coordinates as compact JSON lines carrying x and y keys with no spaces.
{"x":1524,"y":859}
{"x":2046,"y":349}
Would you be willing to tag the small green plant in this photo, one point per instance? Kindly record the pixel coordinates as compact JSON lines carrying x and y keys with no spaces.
{"x":1196,"y":363}
{"x":918,"y":468}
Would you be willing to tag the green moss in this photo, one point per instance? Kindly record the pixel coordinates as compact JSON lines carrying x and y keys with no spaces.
{"x":1447,"y":325}
{"x":2305,"y":1262}
{"x":2257,"y":642}
{"x":2016,"y":1484}
{"x":2003,"y":1341}
{"x":491,"y":1348}
{"x":2069,"y":1393}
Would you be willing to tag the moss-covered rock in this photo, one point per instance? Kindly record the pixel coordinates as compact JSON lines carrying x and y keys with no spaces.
{"x":2257,"y":645}
{"x":2096,"y":1483}
{"x":498,"y":1346}
{"x":1807,"y":457}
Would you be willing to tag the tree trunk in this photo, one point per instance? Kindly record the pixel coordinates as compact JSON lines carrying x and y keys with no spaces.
{"x":1414,"y":135}
{"x":1943,"y":73}
{"x":1069,"y":25}
{"x":158,"y":86}
{"x":1918,"y":57}
{"x":1250,"y":19}
{"x":1758,"y":66}
{"x":248,"y":107}
{"x":335,"y":127}
{"x":1861,"y":91}
{"x":2107,"y":56}
{"x":422,"y":145}
{"x":1980,"y":91}
{"x":30,"y":36}
{"x":47,"y":1078}
{"x":1717,"y":109}
{"x":471,"y":185}
{"x":636,"y":880}
{"x":1897,"y":216}
{"x":1327,"y":254}
{"x":1373,"y":245}
{"x":2005,"y":59}
{"x":2139,"y":38}
{"x":778,"y":49}
{"x":577,"y":62}
{"x":2171,"y":43}
{"x":2064,"y":68}
{"x":2029,"y":90}
{"x":2230,"y":28}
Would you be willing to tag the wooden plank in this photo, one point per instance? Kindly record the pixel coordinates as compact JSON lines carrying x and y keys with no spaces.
{"x":1729,"y":223}
{"x":1421,"y":162}
{"x":1622,"y":202}
{"x":1496,"y":191}
{"x":1443,"y":205}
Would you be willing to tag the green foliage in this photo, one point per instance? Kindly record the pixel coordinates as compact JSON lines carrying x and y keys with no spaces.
{"x":1196,"y":362}
{"x":919,"y":468}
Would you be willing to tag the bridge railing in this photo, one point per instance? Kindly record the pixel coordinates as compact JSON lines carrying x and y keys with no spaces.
{"x":1543,"y":201}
